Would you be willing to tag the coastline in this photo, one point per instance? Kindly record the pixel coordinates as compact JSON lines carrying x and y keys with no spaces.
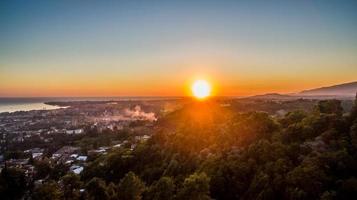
{"x":11,"y":108}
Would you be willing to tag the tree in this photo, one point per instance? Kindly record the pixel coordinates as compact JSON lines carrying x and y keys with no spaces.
{"x":112,"y":191}
{"x":43,"y":168}
{"x":58,"y":171}
{"x":71,"y":186}
{"x":330,"y":107}
{"x":328,"y":195}
{"x":163,"y":189}
{"x":96,"y":189}
{"x":12,"y":183}
{"x":293,"y":117}
{"x":195,"y":187}
{"x":307,"y":180}
{"x":353,"y":114}
{"x":130,"y":187}
{"x":47,"y":191}
{"x":348,"y":189}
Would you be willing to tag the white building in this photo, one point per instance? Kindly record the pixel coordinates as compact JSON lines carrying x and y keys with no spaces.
{"x":74,"y":131}
{"x":82,"y":158}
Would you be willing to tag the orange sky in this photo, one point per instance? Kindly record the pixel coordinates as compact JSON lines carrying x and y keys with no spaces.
{"x":165,"y":85}
{"x":129,"y":48}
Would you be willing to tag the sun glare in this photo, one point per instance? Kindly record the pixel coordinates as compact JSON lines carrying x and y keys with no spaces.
{"x":201,"y":89}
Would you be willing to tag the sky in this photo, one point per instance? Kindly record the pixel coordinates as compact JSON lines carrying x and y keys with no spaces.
{"x":158,"y":48}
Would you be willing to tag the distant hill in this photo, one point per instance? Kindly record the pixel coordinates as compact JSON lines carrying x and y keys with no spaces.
{"x":341,"y":91}
{"x":273,"y":96}
{"x":345,"y":89}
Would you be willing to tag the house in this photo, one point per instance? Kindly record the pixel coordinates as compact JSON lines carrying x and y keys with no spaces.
{"x":65,"y":153}
{"x":37,"y":155}
{"x":76,"y":169}
{"x":82,"y":158}
{"x":74,"y":131}
{"x":74,"y":155}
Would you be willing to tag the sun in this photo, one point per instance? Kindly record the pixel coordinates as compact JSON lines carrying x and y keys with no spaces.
{"x":201,"y":89}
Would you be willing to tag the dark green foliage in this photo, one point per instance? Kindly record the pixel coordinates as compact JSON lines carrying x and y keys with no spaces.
{"x":195,"y":187}
{"x":47,"y":191}
{"x":14,"y":155}
{"x":353,"y":134}
{"x":12,"y":183}
{"x":112,"y":191}
{"x":43,"y":168}
{"x":96,"y":189}
{"x":353,"y":113}
{"x":58,"y":171}
{"x":163,"y":189}
{"x":71,"y":185}
{"x":293,"y":117}
{"x":244,"y":155}
{"x":347,"y":188}
{"x":330,"y":107}
{"x":130,"y":187}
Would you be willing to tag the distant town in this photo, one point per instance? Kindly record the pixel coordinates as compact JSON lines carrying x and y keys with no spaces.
{"x":70,"y":137}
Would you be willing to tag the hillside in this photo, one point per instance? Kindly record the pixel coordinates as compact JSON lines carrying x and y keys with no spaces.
{"x":273,"y":96}
{"x":341,"y":91}
{"x":205,"y":151}
{"x":345,"y":89}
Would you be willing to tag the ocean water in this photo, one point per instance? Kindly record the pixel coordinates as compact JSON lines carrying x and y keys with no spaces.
{"x":38,"y":103}
{"x":25,"y":104}
{"x":26,"y":107}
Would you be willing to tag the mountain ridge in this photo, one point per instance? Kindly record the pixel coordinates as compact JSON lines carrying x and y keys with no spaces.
{"x":344,"y":89}
{"x":338,"y":91}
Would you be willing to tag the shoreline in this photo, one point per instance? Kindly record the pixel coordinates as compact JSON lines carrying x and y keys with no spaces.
{"x":26,"y":107}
